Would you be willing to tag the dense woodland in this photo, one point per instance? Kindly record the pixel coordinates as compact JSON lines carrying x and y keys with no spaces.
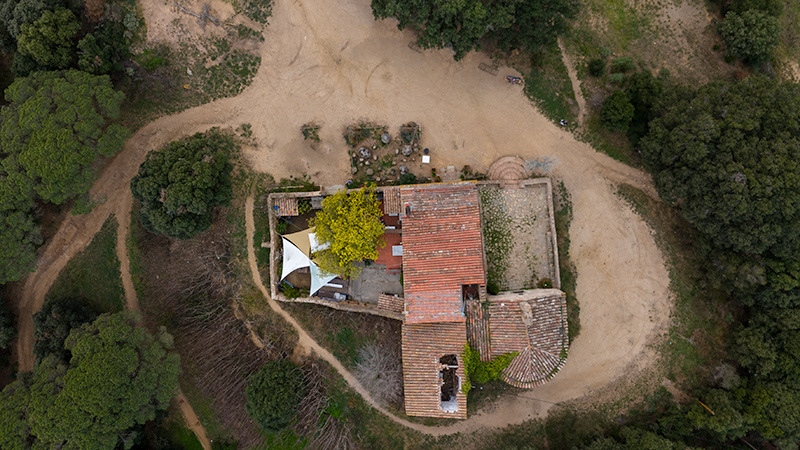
{"x":725,"y":155}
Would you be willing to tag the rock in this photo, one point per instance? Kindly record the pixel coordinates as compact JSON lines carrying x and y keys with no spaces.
{"x":375,"y":157}
{"x":407,"y":150}
{"x":404,"y":160}
{"x":394,"y":163}
{"x":370,"y":171}
{"x":353,"y":170}
{"x":386,"y":138}
{"x":364,"y":152}
{"x":397,"y":151}
{"x":392,"y":172}
{"x":377,"y":178}
{"x":403,"y":170}
{"x":361,"y":159}
{"x":366,"y":163}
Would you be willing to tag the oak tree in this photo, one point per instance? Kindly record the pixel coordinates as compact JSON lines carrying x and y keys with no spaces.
{"x":181,"y":184}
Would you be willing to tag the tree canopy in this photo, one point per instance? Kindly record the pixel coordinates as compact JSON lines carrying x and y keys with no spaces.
{"x":118,"y":377}
{"x":181,"y":184}
{"x":7,"y":330}
{"x":349,"y":226}
{"x":56,"y":125}
{"x":54,"y":323}
{"x":273,"y":394}
{"x":462,"y":24}
{"x":728,"y":154}
{"x":750,"y":36}
{"x":19,"y":238}
{"x":48,"y":40}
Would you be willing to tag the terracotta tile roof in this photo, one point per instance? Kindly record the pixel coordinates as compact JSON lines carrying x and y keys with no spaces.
{"x":286,"y":206}
{"x":442,"y":249}
{"x":391,"y":200}
{"x":533,"y":324}
{"x":423,"y":346}
{"x":391,"y":303}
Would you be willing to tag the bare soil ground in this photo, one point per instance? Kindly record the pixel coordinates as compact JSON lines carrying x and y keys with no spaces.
{"x":335,"y":65}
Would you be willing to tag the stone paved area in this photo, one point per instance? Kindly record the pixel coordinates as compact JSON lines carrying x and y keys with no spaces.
{"x":516,"y":226}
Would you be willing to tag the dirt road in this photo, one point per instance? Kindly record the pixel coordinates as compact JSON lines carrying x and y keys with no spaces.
{"x":332,"y":63}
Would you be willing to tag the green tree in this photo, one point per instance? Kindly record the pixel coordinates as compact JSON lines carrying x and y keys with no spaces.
{"x":103,"y":50}
{"x":273,"y":394}
{"x":118,"y":377}
{"x":617,"y":111}
{"x":54,"y":323}
{"x":459,"y":24}
{"x":19,"y":237}
{"x":750,"y":36}
{"x":14,"y":426}
{"x":49,"y":39}
{"x":644,"y":91}
{"x":349,"y":228}
{"x":182,"y":183}
{"x":15,"y":13}
{"x":771,"y":7}
{"x":728,"y":154}
{"x":535,"y":24}
{"x":7,"y":330}
{"x":56,"y":125}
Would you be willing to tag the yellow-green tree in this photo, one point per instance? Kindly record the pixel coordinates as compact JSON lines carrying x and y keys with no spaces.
{"x":349,"y":228}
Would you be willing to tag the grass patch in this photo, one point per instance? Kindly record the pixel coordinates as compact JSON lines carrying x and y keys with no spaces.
{"x":563,"y":217}
{"x":696,"y":339}
{"x":94,"y":274}
{"x":549,"y":87}
{"x":613,"y":144}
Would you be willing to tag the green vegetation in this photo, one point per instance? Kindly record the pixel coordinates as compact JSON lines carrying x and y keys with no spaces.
{"x":548,"y":85}
{"x":94,"y":274}
{"x":496,"y":239}
{"x":273,"y":394}
{"x":310,"y":132}
{"x":461,"y":26}
{"x":119,"y":376}
{"x":735,"y":181}
{"x":477,"y":371}
{"x":750,"y":36}
{"x":181,"y":184}
{"x":53,"y":324}
{"x":349,"y":224}
{"x":48,"y":40}
{"x":617,"y":111}
{"x":7,"y":330}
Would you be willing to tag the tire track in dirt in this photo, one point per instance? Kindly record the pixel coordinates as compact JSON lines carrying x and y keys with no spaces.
{"x":576,"y":84}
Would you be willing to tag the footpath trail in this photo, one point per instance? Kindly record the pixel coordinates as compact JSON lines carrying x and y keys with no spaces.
{"x":336,"y":65}
{"x":123,"y":214}
{"x":576,"y":84}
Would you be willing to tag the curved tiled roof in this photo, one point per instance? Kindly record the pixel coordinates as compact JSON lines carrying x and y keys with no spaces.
{"x":531,"y":322}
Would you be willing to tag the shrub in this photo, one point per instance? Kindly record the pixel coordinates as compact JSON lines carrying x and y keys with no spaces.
{"x":616,"y":78}
{"x":750,"y":36}
{"x":478,"y":371}
{"x":597,"y":67}
{"x":273,"y":394}
{"x":622,"y":64}
{"x":617,"y":111}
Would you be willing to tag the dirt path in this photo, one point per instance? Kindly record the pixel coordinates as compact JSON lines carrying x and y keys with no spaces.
{"x":123,"y":214}
{"x":335,"y":66}
{"x":576,"y":84}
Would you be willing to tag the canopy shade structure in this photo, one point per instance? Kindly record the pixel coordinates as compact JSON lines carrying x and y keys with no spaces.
{"x":297,"y":249}
{"x":319,"y":278}
{"x":293,"y":258}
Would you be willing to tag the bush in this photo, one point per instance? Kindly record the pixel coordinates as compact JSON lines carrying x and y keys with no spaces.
{"x":750,"y":36}
{"x":622,"y":64}
{"x":616,"y":78}
{"x":53,"y":324}
{"x":597,"y":67}
{"x":617,"y":111}
{"x":273,"y":394}
{"x":478,"y":371}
